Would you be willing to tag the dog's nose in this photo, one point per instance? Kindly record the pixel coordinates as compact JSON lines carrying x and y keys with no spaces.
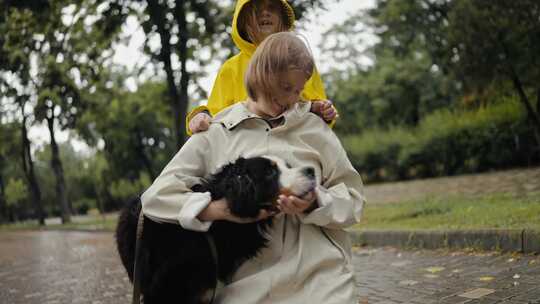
{"x":309,"y":172}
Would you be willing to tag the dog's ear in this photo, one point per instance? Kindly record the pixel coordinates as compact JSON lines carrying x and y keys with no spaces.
{"x":241,"y":196}
{"x":238,"y":167}
{"x":227,"y":172}
{"x":240,"y":162}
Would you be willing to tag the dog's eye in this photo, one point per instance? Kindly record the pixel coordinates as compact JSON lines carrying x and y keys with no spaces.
{"x":271,"y":172}
{"x":288,"y":165}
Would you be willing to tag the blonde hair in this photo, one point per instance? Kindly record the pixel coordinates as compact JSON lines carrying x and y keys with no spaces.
{"x":248,"y":27}
{"x":278,"y":53}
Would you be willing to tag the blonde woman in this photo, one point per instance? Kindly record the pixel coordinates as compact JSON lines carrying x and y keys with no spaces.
{"x":308,"y":258}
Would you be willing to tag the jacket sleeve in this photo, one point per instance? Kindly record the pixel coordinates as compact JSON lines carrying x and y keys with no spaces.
{"x":169,"y":198}
{"x":340,"y":198}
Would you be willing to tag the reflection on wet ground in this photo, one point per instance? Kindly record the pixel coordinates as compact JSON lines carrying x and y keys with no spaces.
{"x":60,"y":267}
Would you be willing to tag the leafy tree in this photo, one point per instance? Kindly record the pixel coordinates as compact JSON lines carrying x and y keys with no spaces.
{"x":168,"y":22}
{"x":439,"y":54}
{"x":15,"y":85}
{"x":499,"y":42}
{"x":56,"y":53}
{"x":14,"y":147}
{"x":76,"y":170}
{"x":132,"y":132}
{"x":401,"y":86}
{"x":405,"y":26}
{"x":480,"y":44}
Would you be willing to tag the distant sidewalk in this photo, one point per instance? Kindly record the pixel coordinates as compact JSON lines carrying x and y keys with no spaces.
{"x":511,"y":181}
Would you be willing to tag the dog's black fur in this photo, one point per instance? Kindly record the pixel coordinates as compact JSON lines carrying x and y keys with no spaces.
{"x":177,"y":264}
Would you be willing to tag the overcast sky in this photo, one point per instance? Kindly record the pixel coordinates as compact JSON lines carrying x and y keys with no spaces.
{"x":131,"y":55}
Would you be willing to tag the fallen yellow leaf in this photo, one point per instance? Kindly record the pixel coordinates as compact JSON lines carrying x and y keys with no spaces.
{"x":486,"y":279}
{"x":434,"y":269}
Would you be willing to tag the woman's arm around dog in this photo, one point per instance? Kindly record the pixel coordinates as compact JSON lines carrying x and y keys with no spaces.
{"x":170,"y":198}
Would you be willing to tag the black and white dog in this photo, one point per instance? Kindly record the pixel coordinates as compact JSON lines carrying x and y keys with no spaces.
{"x":177,"y":265}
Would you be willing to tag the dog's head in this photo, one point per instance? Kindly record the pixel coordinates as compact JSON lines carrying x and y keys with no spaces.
{"x":252,"y":184}
{"x":297,"y":181}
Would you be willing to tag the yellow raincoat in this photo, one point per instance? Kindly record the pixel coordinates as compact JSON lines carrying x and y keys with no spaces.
{"x":229,"y":84}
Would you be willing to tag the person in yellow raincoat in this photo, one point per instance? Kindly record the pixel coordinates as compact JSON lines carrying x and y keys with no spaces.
{"x":254,"y":20}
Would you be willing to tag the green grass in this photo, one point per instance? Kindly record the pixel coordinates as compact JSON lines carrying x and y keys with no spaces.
{"x":452,"y":212}
{"x":494,"y":211}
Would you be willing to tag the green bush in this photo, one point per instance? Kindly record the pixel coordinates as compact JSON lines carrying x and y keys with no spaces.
{"x":82,"y":205}
{"x":375,"y":153}
{"x":447,"y":143}
{"x":15,"y":192}
{"x":123,"y":189}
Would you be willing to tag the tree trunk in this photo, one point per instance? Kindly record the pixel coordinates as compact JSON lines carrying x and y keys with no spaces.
{"x":533,"y":116}
{"x":56,"y":164}
{"x":28,"y":168}
{"x":12,"y":214}
{"x":518,"y":86}
{"x":157,"y":15}
{"x":537,"y":130}
{"x":99,"y":202}
{"x":3,"y":205}
{"x":538,"y":101}
{"x":183,"y":36}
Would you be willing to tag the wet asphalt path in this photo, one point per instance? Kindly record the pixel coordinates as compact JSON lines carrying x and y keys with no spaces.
{"x":49,"y":267}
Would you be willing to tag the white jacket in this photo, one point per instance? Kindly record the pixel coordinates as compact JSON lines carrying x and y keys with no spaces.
{"x":308,"y":259}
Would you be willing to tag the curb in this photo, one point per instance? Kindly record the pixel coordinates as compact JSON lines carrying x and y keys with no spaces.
{"x":505,"y":240}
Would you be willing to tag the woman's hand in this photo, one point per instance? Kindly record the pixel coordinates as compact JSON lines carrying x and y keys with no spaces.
{"x":200,"y":122}
{"x":295,"y":205}
{"x":324,"y":109}
{"x":219,"y":210}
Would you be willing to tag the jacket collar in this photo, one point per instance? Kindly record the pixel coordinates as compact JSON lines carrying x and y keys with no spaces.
{"x":239,"y":113}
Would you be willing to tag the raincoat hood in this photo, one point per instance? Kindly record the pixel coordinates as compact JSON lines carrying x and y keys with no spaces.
{"x":246,"y":46}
